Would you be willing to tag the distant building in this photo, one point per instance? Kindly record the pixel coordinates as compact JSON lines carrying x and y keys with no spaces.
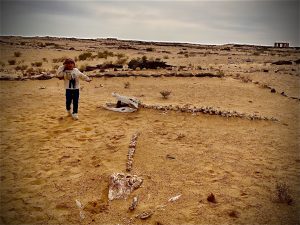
{"x":281,"y":45}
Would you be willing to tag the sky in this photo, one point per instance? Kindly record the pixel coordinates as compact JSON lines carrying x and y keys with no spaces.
{"x":199,"y":21}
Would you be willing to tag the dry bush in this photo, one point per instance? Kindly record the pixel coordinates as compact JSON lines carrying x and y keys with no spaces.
{"x":22,"y":67}
{"x":283,"y":193}
{"x":85,"y":56}
{"x":165,"y":94}
{"x":55,"y":67}
{"x":120,"y":55}
{"x":17,"y":54}
{"x":221,"y":73}
{"x":150,"y":49}
{"x":83,"y":67}
{"x":45,"y":59}
{"x":37,"y":64}
{"x":58,"y":60}
{"x":126,"y":84}
{"x":121,"y":61}
{"x":105,"y":54}
{"x":11,"y":62}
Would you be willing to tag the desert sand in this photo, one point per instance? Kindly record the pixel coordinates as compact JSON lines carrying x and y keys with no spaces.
{"x":48,"y":161}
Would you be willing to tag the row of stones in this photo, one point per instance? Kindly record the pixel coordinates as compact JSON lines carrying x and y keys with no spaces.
{"x":207,"y":110}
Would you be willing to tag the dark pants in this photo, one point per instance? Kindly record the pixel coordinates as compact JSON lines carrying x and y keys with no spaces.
{"x":72,"y":95}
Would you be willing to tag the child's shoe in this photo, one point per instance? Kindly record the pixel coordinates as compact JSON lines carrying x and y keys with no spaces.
{"x":75,"y":116}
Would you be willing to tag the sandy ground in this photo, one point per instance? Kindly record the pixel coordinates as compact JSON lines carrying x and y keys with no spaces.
{"x":48,"y":160}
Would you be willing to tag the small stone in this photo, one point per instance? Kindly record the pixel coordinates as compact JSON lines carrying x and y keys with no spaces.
{"x":170,"y":156}
{"x":145,"y":215}
{"x":211,"y":198}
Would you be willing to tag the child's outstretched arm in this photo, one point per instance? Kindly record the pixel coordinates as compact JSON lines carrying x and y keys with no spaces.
{"x":60,"y":72}
{"x":83,"y":76}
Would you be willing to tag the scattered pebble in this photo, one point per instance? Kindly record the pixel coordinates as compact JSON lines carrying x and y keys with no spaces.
{"x":211,"y":198}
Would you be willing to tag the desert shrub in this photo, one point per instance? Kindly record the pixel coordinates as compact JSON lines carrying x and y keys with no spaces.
{"x":57,"y":60}
{"x":166,"y":57}
{"x":37,"y":64}
{"x":22,"y":67}
{"x":120,"y":55}
{"x":23,"y":43}
{"x":83,"y":67}
{"x":150,"y":49}
{"x":186,"y":55}
{"x":45,"y":59}
{"x":2,"y":64}
{"x":165,"y":94}
{"x":182,"y":52}
{"x":226,"y":49}
{"x":147,"y":64}
{"x":84,"y":56}
{"x":105,"y":54}
{"x":49,"y":43}
{"x":121,"y":61}
{"x":40,"y":44}
{"x":17,"y":54}
{"x":11,"y":62}
{"x":126,"y":84}
{"x":282,"y":193}
{"x":221,"y":73}
{"x":55,"y":67}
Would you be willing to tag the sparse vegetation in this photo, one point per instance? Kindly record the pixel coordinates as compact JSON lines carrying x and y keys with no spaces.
{"x":150,"y":49}
{"x":121,"y":61}
{"x":221,"y":73}
{"x":126,"y":84}
{"x":11,"y":62}
{"x":283,"y":193}
{"x":120,"y":55}
{"x":22,"y":67}
{"x":147,"y":64}
{"x":166,"y":57}
{"x":45,"y":59}
{"x":37,"y":64}
{"x":17,"y":54}
{"x":85,"y":56}
{"x":2,"y":64}
{"x":57,"y":60}
{"x":165,"y":94}
{"x":105,"y":54}
{"x":55,"y":67}
{"x":83,"y":67}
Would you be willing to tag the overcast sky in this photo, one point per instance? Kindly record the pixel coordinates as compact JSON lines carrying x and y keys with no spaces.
{"x":204,"y":22}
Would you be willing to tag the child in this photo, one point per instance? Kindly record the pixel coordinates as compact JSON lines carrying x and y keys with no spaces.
{"x":71,"y":76}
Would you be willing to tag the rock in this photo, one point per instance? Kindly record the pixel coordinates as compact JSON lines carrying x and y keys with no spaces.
{"x":145,"y":215}
{"x":121,"y":185}
{"x":282,"y":62}
{"x":211,"y":198}
{"x":233,"y":214}
{"x":170,"y":156}
{"x":134,"y":203}
{"x":175,"y":198}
